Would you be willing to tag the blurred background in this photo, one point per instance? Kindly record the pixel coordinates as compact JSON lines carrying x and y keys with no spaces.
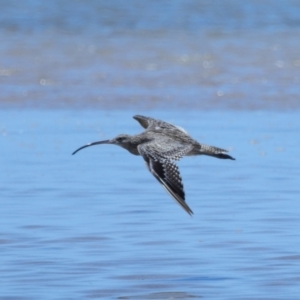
{"x":97,"y":225}
{"x":150,"y":54}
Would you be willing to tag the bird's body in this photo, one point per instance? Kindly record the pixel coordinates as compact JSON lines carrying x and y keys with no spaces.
{"x":161,"y":145}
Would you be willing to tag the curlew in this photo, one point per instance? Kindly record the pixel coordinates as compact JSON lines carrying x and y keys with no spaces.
{"x":161,"y":145}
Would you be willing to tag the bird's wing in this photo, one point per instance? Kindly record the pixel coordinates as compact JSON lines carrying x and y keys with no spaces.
{"x":145,"y":121}
{"x":149,"y":123}
{"x":166,"y":172}
{"x":154,"y":124}
{"x":165,"y":147}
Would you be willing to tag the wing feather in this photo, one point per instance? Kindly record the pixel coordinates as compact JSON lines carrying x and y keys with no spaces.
{"x":166,"y":172}
{"x":154,"y":124}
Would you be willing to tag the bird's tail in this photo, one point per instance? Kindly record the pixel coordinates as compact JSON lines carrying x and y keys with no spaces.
{"x":214,"y":151}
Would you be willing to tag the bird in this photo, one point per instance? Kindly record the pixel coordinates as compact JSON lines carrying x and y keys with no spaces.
{"x":161,"y":145}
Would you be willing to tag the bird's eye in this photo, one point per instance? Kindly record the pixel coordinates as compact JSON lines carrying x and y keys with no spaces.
{"x":120,"y":139}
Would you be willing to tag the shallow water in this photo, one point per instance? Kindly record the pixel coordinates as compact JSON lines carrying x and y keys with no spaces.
{"x":155,"y":55}
{"x":97,"y":224}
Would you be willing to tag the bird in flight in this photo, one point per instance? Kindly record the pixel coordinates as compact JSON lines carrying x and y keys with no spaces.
{"x":161,"y":145}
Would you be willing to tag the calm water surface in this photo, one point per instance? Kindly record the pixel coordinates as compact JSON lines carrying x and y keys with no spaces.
{"x":97,"y":224}
{"x":151,"y":55}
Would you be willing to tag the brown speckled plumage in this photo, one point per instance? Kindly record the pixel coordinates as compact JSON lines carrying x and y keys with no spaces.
{"x":161,"y":145}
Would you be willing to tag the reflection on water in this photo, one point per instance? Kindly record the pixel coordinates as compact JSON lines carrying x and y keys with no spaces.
{"x":97,"y":225}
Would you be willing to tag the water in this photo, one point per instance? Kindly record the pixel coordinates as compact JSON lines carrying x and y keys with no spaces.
{"x":155,"y":55}
{"x":97,"y":225}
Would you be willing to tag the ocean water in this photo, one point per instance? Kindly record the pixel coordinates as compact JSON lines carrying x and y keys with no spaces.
{"x":150,"y":55}
{"x":97,"y":225}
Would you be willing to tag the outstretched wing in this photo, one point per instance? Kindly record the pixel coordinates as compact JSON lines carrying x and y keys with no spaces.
{"x":165,"y":171}
{"x":154,"y":124}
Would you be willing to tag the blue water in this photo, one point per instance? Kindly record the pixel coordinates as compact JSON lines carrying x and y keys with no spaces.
{"x":98,"y":225}
{"x":150,"y":55}
{"x":117,"y":15}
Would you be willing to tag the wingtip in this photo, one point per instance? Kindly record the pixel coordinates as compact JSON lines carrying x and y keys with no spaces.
{"x":184,"y":205}
{"x":144,"y":121}
{"x":136,"y":117}
{"x":191,"y":213}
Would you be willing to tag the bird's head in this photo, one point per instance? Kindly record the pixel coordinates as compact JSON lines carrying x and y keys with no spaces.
{"x":123,"y":140}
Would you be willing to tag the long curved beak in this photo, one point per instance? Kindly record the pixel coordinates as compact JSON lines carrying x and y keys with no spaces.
{"x":92,"y":144}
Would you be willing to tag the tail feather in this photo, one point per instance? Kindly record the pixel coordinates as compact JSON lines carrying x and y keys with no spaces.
{"x":215,"y":152}
{"x":223,"y":156}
